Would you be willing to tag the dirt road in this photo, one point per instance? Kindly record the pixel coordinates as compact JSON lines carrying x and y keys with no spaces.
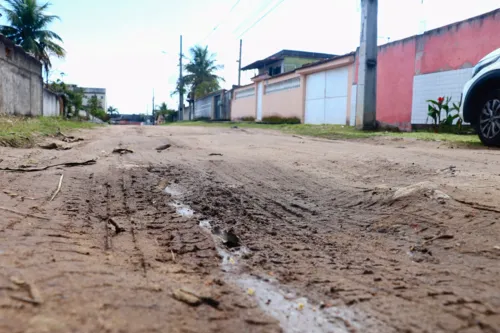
{"x":322,"y":236}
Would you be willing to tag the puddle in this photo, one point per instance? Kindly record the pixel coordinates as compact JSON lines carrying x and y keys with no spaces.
{"x":295,"y":314}
{"x":174,"y":190}
{"x":183,"y":210}
{"x":205,"y":224}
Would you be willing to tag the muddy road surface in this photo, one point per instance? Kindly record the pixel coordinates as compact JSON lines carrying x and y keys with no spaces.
{"x":232,"y":230}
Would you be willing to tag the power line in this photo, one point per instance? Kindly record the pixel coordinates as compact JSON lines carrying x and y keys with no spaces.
{"x":258,"y":11}
{"x":261,"y":18}
{"x":219,"y":24}
{"x":237,"y":3}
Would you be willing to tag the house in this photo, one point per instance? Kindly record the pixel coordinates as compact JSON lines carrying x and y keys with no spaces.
{"x":316,"y":93}
{"x":409,"y":72}
{"x":285,"y":61}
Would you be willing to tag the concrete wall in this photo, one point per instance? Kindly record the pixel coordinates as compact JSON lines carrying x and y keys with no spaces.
{"x":20,"y":81}
{"x":286,"y":102}
{"x":394,"y":83}
{"x":445,"y":52}
{"x":215,"y":106}
{"x":244,"y":102}
{"x":52,"y":105}
{"x":203,"y":108}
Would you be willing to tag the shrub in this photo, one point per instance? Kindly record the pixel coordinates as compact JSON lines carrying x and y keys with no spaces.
{"x":451,"y":113}
{"x":280,"y":120}
{"x":248,"y":119}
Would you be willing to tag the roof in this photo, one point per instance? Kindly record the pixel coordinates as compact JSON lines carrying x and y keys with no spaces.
{"x":317,"y":63}
{"x":94,"y":90}
{"x":286,"y":53}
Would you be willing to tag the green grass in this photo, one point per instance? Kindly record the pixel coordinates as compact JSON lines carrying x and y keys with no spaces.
{"x":341,"y":132}
{"x":23,"y":131}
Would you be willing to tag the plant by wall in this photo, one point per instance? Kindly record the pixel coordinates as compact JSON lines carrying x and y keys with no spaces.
{"x":443,"y":114}
{"x":280,"y":120}
{"x":248,"y":119}
{"x":72,"y":96}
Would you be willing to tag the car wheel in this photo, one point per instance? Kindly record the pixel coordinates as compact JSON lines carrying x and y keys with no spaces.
{"x":488,"y":124}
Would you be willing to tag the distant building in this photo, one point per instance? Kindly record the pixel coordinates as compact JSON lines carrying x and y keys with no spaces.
{"x":88,"y":93}
{"x":100,"y":93}
{"x":133,"y":119}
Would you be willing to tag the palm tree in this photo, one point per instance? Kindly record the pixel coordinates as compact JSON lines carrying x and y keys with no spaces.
{"x":28,"y":28}
{"x":201,"y":72}
{"x":112,"y":111}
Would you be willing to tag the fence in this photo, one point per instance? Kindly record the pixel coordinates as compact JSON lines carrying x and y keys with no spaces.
{"x":215,"y":106}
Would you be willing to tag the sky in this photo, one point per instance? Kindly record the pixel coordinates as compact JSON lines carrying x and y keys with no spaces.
{"x":131,"y":48}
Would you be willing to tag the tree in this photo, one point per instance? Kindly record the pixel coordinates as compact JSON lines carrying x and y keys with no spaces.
{"x":112,"y":112}
{"x":202,"y":69}
{"x":94,"y":107}
{"x":168,"y":115}
{"x":28,"y":28}
{"x":72,"y":95}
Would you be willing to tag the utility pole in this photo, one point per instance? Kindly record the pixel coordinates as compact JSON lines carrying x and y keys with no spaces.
{"x":366,"y":104}
{"x":181,"y":87}
{"x":154,"y":118}
{"x":239,"y":63}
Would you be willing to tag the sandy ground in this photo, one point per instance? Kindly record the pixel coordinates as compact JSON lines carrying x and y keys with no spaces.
{"x":382,"y":235}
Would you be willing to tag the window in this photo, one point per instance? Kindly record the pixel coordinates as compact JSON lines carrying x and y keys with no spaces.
{"x":274,"y":70}
{"x":283,"y":85}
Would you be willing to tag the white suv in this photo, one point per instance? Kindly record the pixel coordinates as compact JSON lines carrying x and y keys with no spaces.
{"x":481,"y":99}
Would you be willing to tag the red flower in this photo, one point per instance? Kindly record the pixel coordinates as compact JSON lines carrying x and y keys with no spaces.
{"x":440,"y":100}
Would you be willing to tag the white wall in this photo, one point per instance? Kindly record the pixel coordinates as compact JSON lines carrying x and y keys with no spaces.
{"x":327,"y":97}
{"x":354,"y":96}
{"x":434,"y":85}
{"x":51,"y":106}
{"x":203,"y":107}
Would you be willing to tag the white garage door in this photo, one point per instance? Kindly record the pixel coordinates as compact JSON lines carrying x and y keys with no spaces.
{"x":326,"y":97}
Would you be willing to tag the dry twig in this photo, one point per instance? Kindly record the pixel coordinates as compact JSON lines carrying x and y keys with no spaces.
{"x":24,"y":214}
{"x":58,"y":188}
{"x":68,"y":165}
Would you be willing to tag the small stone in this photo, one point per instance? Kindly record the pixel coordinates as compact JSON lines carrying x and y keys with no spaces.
{"x":186,"y":297}
{"x":41,"y":324}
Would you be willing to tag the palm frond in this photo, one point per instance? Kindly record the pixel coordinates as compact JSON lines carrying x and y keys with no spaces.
{"x":28,"y":28}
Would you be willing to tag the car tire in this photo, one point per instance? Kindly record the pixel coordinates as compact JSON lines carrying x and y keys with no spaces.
{"x":488,"y":119}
